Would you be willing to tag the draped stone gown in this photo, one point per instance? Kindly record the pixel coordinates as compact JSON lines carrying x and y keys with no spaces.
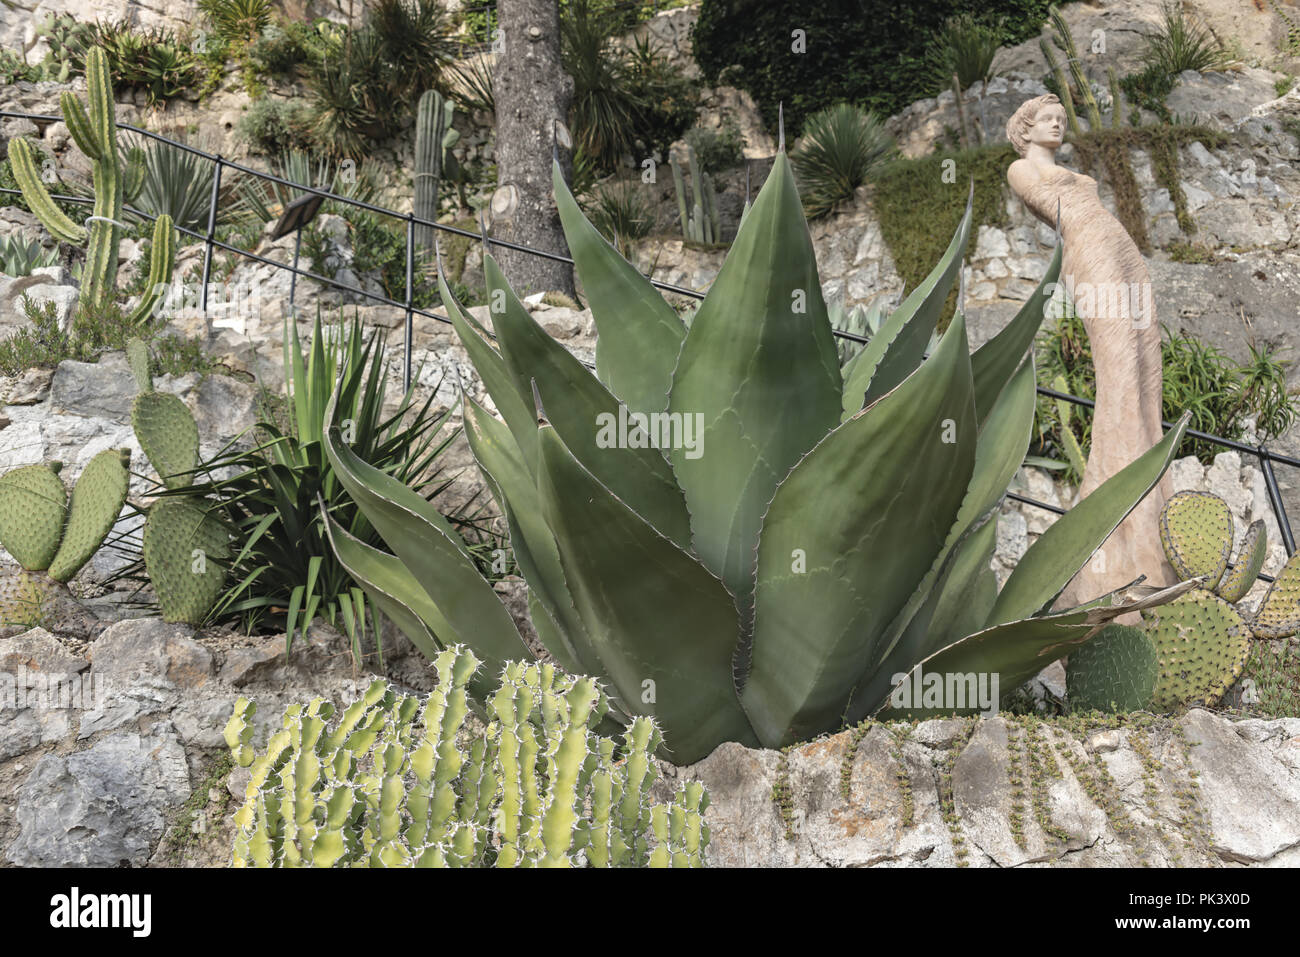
{"x":1101,"y":263}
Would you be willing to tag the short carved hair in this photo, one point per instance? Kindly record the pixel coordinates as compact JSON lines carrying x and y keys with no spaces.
{"x":1022,"y":121}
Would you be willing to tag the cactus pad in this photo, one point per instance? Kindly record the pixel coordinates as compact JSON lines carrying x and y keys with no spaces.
{"x":1254,"y":549}
{"x":1114,"y":672}
{"x":33,"y":508}
{"x":25,"y":596}
{"x":137,"y":357}
{"x":185,"y":550}
{"x":1279,"y":612}
{"x":169,"y":436}
{"x":1196,"y":532}
{"x":97,"y":500}
{"x":1201,"y":643}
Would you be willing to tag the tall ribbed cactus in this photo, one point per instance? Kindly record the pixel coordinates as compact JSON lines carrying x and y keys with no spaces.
{"x":698,"y":209}
{"x":51,"y":537}
{"x":181,"y":536}
{"x":393,"y":784}
{"x":434,"y":136}
{"x":115,"y":182}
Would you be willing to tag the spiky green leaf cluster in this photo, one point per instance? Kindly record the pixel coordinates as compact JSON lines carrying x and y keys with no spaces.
{"x":394,"y":784}
{"x":50,"y":536}
{"x":816,"y":534}
{"x":116,"y":180}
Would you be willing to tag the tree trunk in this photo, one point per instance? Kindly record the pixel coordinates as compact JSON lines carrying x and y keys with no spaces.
{"x":532,"y":94}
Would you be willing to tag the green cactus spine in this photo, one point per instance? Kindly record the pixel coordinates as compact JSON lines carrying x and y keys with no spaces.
{"x":115,"y":182}
{"x":49,"y":538}
{"x":1114,"y":672}
{"x":396,"y":784}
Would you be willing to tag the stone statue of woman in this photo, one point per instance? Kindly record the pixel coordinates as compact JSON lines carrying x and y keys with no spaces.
{"x":1107,"y":280}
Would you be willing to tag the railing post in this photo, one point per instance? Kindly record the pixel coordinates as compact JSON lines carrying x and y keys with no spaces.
{"x":212,"y":233}
{"x":410,"y":299}
{"x":1275,"y":499}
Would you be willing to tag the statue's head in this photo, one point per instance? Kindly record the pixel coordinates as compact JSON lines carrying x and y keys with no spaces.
{"x":1040,"y":121}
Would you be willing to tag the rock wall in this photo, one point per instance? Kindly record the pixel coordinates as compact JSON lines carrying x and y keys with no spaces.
{"x":1203,"y":790}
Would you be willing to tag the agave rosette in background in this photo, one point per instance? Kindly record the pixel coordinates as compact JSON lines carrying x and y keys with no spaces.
{"x":826,"y":531}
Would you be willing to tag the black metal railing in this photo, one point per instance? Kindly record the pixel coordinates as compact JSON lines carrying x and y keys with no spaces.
{"x":1264,"y":456}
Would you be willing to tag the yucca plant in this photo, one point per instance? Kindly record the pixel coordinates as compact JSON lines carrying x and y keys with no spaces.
{"x":841,"y":146}
{"x":742,"y":540}
{"x":177,"y":183}
{"x":271,"y":496}
{"x":240,"y":21}
{"x":968,"y":48}
{"x":622,"y":213}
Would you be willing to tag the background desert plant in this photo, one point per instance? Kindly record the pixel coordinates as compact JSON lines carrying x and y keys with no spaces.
{"x":968,"y":47}
{"x":19,"y":256}
{"x":840,"y":148}
{"x":622,"y":213}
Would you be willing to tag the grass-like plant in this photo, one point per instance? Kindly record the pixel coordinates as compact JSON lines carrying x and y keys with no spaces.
{"x":968,"y":47}
{"x":622,"y":213}
{"x":1182,"y":42}
{"x":1199,"y":378}
{"x":177,"y":183}
{"x":841,"y":147}
{"x":240,"y":21}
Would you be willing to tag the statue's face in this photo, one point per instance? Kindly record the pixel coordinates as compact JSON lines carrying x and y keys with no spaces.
{"x":1049,"y":127}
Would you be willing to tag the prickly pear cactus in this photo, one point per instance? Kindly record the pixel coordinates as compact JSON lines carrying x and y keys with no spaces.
{"x":1114,"y":672}
{"x":392,"y":783}
{"x":49,"y":538}
{"x":1239,"y":579}
{"x":1201,"y":643}
{"x":163,"y":425}
{"x":1279,"y":612}
{"x":1196,"y":532}
{"x":185,"y":550}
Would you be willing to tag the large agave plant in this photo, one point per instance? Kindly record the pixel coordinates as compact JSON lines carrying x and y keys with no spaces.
{"x":829,"y":531}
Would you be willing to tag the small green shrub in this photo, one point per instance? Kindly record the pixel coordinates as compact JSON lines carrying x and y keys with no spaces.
{"x":273,"y":125}
{"x":239,"y":21}
{"x":723,"y":148}
{"x":841,"y":147}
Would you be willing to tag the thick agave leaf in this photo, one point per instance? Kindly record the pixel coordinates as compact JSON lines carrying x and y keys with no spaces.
{"x":998,"y":453}
{"x":957,"y":606}
{"x":664,"y":626}
{"x":585,"y":413}
{"x":530,"y":537}
{"x":1049,"y":564}
{"x":897,"y":349}
{"x":431,"y":551}
{"x":1016,"y":651}
{"x":491,"y":368}
{"x":638,"y":333}
{"x":760,"y":371}
{"x":996,"y":361}
{"x":866,"y":512}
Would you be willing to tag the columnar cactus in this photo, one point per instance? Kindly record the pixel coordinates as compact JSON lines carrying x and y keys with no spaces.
{"x":698,"y":208}
{"x":434,"y":136}
{"x":185,"y":546}
{"x":50,"y":537}
{"x":115,"y":182}
{"x":1202,"y":638}
{"x":394,"y":784}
